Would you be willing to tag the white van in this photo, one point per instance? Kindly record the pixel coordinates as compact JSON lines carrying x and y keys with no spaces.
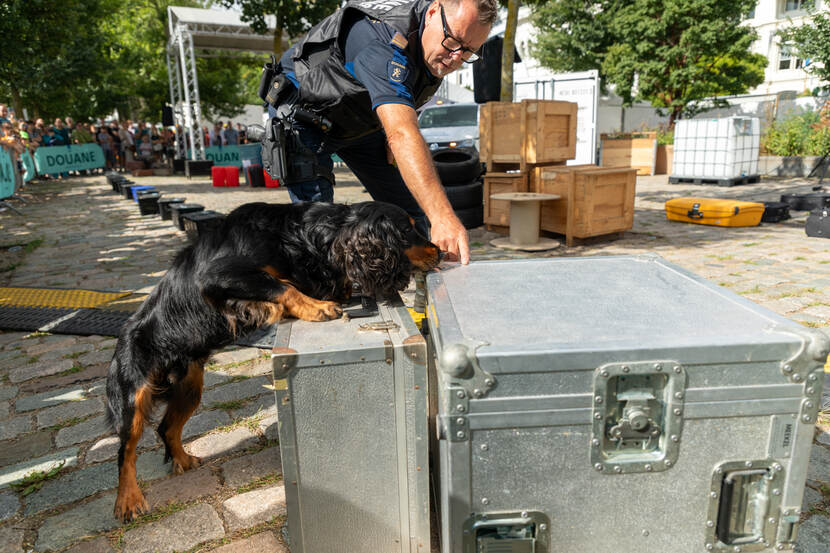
{"x":450,"y":125}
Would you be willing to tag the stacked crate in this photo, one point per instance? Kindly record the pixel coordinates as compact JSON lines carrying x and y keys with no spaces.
{"x":518,"y":138}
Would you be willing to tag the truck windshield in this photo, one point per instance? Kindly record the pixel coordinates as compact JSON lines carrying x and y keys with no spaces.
{"x":449,"y":116}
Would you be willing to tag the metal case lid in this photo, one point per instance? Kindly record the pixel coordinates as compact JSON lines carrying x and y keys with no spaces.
{"x":582,"y":312}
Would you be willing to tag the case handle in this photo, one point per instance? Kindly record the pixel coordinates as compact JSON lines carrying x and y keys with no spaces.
{"x":695,"y":213}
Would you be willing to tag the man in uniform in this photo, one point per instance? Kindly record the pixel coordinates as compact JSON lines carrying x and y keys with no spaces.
{"x":361,"y":73}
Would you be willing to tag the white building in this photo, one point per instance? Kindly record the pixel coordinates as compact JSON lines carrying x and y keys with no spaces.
{"x":785,"y":71}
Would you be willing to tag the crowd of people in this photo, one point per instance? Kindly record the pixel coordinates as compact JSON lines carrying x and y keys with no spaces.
{"x":121,"y":141}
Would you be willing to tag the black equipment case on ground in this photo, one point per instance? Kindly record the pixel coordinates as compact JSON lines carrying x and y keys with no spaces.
{"x":165,"y":204}
{"x":775,"y":212}
{"x":818,"y":223}
{"x":177,"y":210}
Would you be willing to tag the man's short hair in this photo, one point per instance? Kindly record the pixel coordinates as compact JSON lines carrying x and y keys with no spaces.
{"x":488,"y":10}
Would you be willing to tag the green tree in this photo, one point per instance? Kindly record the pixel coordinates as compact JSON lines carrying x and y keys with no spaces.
{"x":291,"y":17}
{"x":671,"y":53}
{"x":810,"y":42}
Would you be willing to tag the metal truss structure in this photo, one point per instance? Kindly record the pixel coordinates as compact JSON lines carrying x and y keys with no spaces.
{"x":193,"y":33}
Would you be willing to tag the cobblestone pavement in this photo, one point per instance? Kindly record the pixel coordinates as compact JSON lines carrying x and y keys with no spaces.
{"x":81,"y":235}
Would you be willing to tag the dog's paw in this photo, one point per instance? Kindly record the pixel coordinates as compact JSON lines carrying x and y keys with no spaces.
{"x":129,"y":504}
{"x":320,"y":310}
{"x":185,"y":463}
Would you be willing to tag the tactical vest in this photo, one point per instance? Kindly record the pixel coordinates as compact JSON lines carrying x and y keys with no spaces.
{"x":328,"y":89}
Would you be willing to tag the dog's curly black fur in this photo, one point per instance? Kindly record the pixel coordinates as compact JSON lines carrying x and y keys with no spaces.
{"x":265,"y":262}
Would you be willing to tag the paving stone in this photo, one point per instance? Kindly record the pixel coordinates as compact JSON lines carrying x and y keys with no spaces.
{"x":255,"y":507}
{"x":811,"y":499}
{"x":82,"y":432}
{"x":96,"y":388}
{"x":98,"y":545}
{"x":213,"y":378}
{"x":96,"y":357}
{"x":248,"y":468}
{"x":235,"y":356}
{"x":31,"y":446}
{"x":204,"y":422}
{"x":7,"y":338}
{"x":11,"y":540}
{"x":64,"y":352}
{"x":263,"y":406}
{"x":823,"y":438}
{"x":80,"y":522}
{"x":48,"y":399}
{"x":182,"y":488}
{"x":67,"y":411}
{"x":264,"y":541}
{"x":814,"y":535}
{"x":8,"y":392}
{"x":249,"y":387}
{"x":5,"y":409}
{"x":221,"y":443}
{"x":9,"y":505}
{"x":94,"y":372}
{"x":270,"y":427}
{"x":177,"y":532}
{"x":49,"y":343}
{"x":819,"y":469}
{"x":12,"y":428}
{"x":40,"y":369}
{"x":107,"y":448}
{"x":13,"y":473}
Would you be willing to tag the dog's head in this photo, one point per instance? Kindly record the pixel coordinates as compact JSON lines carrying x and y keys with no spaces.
{"x":378,"y":248}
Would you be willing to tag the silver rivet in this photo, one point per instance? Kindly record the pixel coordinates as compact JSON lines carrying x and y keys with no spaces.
{"x":776,"y":491}
{"x":626,"y":369}
{"x":667,"y":462}
{"x":788,"y":369}
{"x":780,"y":547}
{"x":713,"y":495}
{"x":484,"y":447}
{"x":645,"y":533}
{"x":811,"y":390}
{"x":598,"y":467}
{"x":488,"y":382}
{"x":598,"y":399}
{"x":719,"y":470}
{"x":460,"y":435}
{"x":678,"y":395}
{"x":710,"y":524}
{"x":806,"y":418}
{"x":598,"y":416}
{"x":543,"y":527}
{"x":675,"y":438}
{"x":604,"y":373}
{"x":595,"y":442}
{"x":677,"y":412}
{"x":797,"y":378}
{"x":524,"y":514}
{"x":737,"y":549}
{"x":748,"y":464}
{"x":617,"y":468}
{"x":677,"y":369}
{"x":459,"y":421}
{"x":485,"y":501}
{"x":459,"y":394}
{"x":478,"y":393}
{"x":648,"y":468}
{"x":709,"y":547}
{"x":766,"y":543}
{"x":658,"y":367}
{"x":809,"y":405}
{"x":771,"y":520}
{"x":776,"y":466}
{"x":813,"y":378}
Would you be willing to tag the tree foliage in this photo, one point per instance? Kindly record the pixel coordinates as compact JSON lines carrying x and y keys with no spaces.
{"x":291,"y":17}
{"x":810,"y":42}
{"x":670,"y":53}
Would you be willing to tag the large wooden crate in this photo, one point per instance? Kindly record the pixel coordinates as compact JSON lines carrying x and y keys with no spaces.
{"x":638,"y":151}
{"x":594,"y":200}
{"x":520,"y":135}
{"x":497,"y":212}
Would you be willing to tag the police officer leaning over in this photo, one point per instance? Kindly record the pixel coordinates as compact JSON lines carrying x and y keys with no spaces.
{"x":351,"y":86}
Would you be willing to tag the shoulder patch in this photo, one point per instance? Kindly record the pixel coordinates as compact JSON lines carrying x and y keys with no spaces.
{"x":397,"y":72}
{"x":399,"y":40}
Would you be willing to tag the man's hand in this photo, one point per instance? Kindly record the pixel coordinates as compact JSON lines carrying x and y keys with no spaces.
{"x":450,"y":236}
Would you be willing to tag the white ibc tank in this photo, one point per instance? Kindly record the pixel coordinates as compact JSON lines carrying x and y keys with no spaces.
{"x":716,"y":148}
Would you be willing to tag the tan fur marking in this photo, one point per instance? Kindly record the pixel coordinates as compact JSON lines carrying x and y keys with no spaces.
{"x":306,"y":308}
{"x":130,"y":501}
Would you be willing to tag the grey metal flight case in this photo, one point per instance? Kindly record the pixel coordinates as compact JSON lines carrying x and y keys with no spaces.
{"x":616,"y":405}
{"x":352,"y":407}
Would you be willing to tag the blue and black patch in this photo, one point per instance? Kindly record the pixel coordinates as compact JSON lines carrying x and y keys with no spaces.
{"x":396,"y":69}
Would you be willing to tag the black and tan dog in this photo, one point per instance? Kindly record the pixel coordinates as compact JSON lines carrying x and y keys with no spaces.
{"x":266,"y":262}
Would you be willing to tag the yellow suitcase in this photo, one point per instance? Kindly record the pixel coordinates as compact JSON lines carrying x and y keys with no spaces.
{"x":712,"y":211}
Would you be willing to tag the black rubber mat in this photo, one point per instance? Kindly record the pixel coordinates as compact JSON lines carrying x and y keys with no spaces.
{"x":30,"y":318}
{"x":86,"y":322}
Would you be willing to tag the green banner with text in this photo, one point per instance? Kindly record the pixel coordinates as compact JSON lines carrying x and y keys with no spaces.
{"x":7,"y":169}
{"x":233,"y":155}
{"x":59,"y":159}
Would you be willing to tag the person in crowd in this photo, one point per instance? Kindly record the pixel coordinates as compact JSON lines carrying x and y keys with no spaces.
{"x":115,"y":138}
{"x":243,"y":135}
{"x":145,"y":150}
{"x":230,"y":135}
{"x":216,"y":135}
{"x":4,"y":114}
{"x":105,"y":141}
{"x":61,"y":130}
{"x":127,"y":143}
{"x":81,"y":134}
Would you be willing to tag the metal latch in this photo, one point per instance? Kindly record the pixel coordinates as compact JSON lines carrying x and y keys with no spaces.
{"x":744,"y":502}
{"x":637,"y":416}
{"x":524,"y":532}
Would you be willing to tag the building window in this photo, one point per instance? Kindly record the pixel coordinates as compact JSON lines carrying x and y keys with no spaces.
{"x":793,"y":5}
{"x":788,"y":60}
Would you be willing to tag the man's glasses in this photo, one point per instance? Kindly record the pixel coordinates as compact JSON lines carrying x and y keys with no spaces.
{"x":452,"y":45}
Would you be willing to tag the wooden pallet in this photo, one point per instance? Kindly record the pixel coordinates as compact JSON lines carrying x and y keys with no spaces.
{"x":734,"y":181}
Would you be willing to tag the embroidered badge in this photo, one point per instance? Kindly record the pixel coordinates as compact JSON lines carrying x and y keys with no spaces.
{"x":397,"y":71}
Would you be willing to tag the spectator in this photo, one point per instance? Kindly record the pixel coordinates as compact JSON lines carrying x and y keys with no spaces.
{"x":112,"y":129}
{"x":105,"y":141}
{"x":81,"y":134}
{"x":231,"y":135}
{"x":11,"y":139}
{"x":145,"y":150}
{"x":61,"y":129}
{"x":4,"y":114}
{"x":127,"y":143}
{"x":70,"y":123}
{"x":216,"y":135}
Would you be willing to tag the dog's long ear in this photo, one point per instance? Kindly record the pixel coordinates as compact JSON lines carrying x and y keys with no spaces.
{"x":370,"y":250}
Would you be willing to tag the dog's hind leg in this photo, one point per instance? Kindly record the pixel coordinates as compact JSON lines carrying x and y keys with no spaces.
{"x":130,"y":501}
{"x":184,"y":397}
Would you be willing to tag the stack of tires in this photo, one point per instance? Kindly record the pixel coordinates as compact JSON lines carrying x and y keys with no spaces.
{"x":460,"y":172}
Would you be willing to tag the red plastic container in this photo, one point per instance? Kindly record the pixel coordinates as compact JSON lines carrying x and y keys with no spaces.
{"x":217,"y":174}
{"x":231,"y":176}
{"x":269,"y":182}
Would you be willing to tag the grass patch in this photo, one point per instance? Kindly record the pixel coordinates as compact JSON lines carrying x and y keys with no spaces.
{"x":799,"y":293}
{"x":800,"y":258}
{"x":749,"y":244}
{"x":33,"y":245}
{"x":260,"y":482}
{"x":237,"y":378}
{"x":476,"y":244}
{"x":251,"y":423}
{"x":754,"y":290}
{"x":73,"y":370}
{"x":750,"y":262}
{"x":824,"y":262}
{"x":156,"y":514}
{"x":37,"y":334}
{"x":10,"y":267}
{"x":33,"y":359}
{"x":235,"y":404}
{"x":726,"y":284}
{"x":812,"y":324}
{"x":74,"y":355}
{"x":35,"y":480}
{"x":68,"y":422}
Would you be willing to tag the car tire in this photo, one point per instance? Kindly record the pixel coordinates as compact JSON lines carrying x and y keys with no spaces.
{"x":456,"y":166}
{"x":466,"y":195}
{"x":471,"y":217}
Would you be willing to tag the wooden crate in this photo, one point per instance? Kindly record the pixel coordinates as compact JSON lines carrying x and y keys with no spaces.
{"x":595,"y":200}
{"x":665,"y":156}
{"x":520,"y":135}
{"x":638,"y":151}
{"x":497,"y":212}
